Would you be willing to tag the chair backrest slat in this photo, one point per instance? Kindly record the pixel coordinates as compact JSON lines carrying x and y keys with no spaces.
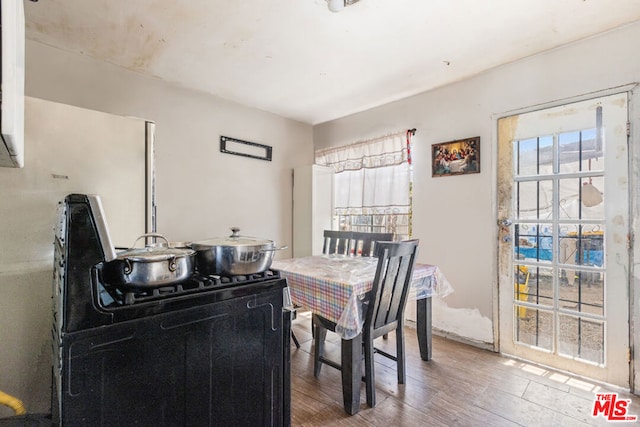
{"x":390,"y":287}
{"x":354,"y":243}
{"x":336,"y":242}
{"x":363,"y":244}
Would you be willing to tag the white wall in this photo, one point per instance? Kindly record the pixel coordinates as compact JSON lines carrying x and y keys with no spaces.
{"x":200,"y":191}
{"x":455,"y":217}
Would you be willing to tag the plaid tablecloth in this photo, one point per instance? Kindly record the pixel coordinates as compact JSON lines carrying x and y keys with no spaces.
{"x":335,"y":285}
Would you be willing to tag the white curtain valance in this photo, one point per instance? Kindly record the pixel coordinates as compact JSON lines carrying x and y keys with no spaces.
{"x":389,"y":150}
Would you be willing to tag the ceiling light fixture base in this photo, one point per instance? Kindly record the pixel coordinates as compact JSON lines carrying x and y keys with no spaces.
{"x":338,"y":5}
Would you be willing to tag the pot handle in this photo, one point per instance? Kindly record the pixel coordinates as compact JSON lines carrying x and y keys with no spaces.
{"x":172,"y":264}
{"x":274,"y":249}
{"x":128,"y":268}
{"x":156,"y":235}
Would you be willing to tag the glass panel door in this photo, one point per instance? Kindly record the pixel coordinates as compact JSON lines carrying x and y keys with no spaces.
{"x":563,"y":256}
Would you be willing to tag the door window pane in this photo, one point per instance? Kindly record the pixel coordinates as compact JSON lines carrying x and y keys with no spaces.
{"x":534,"y":199}
{"x":534,"y":329}
{"x":533,"y":242}
{"x":533,"y":156}
{"x":581,"y":291}
{"x":581,"y":244}
{"x":580,"y":151}
{"x":581,"y":198}
{"x":540,"y":286}
{"x":581,"y":338}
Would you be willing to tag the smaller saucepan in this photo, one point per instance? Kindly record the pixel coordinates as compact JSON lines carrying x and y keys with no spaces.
{"x":234,"y":255}
{"x":152,"y":266}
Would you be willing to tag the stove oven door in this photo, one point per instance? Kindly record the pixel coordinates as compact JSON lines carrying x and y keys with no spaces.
{"x":215,"y":364}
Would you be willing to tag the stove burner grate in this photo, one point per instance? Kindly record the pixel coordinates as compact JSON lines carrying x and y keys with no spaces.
{"x":115,"y":296}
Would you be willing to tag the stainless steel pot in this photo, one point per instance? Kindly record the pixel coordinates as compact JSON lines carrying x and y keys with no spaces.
{"x":234,"y":255}
{"x":149,"y":267}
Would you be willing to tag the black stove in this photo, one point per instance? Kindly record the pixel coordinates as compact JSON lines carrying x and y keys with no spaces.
{"x":210,"y":350}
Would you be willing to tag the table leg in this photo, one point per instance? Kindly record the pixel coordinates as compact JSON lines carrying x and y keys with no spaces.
{"x":351,"y":373}
{"x":424,"y":327}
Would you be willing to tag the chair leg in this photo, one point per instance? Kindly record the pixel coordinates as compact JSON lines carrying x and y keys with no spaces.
{"x":369,"y":372}
{"x":295,"y":339}
{"x":402,"y":372}
{"x":320,"y":335}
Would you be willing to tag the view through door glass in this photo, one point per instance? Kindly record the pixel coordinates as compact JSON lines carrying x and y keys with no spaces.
{"x":563,"y":207}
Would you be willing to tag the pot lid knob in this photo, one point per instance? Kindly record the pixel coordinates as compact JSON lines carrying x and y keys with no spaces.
{"x":235,"y":232}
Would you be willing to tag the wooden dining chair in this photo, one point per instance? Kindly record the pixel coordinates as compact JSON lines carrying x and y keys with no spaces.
{"x":336,"y":242}
{"x":364,"y":243}
{"x":384,"y":312}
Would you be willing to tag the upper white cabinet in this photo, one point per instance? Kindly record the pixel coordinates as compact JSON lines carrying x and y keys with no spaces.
{"x":12,"y":90}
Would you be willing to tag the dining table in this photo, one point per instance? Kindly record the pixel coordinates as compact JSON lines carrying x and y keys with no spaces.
{"x":335,"y":287}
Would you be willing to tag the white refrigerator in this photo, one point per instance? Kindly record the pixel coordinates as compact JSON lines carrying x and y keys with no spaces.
{"x":312,"y":208}
{"x":67,"y":150}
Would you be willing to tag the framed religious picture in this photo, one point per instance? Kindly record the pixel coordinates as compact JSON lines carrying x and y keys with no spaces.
{"x":457,"y":157}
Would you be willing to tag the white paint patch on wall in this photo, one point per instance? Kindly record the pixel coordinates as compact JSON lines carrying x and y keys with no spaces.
{"x":465,"y":323}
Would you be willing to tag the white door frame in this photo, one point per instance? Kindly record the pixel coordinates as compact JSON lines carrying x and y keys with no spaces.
{"x":634,"y":214}
{"x":634,"y":200}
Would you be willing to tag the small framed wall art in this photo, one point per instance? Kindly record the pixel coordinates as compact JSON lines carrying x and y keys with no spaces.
{"x":245,"y":148}
{"x":458,"y":157}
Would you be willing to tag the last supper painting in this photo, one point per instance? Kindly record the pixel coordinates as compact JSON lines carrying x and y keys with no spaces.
{"x":457,"y":157}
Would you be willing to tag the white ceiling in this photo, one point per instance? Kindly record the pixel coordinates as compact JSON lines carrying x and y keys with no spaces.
{"x":297,"y":59}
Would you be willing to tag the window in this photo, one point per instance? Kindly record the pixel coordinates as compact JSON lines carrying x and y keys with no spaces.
{"x":373,"y":184}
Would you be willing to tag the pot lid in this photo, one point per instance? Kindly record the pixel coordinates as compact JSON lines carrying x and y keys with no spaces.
{"x":235,"y":239}
{"x":154,"y":253}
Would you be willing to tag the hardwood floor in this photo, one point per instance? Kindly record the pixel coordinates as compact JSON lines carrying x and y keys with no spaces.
{"x":461,"y":386}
